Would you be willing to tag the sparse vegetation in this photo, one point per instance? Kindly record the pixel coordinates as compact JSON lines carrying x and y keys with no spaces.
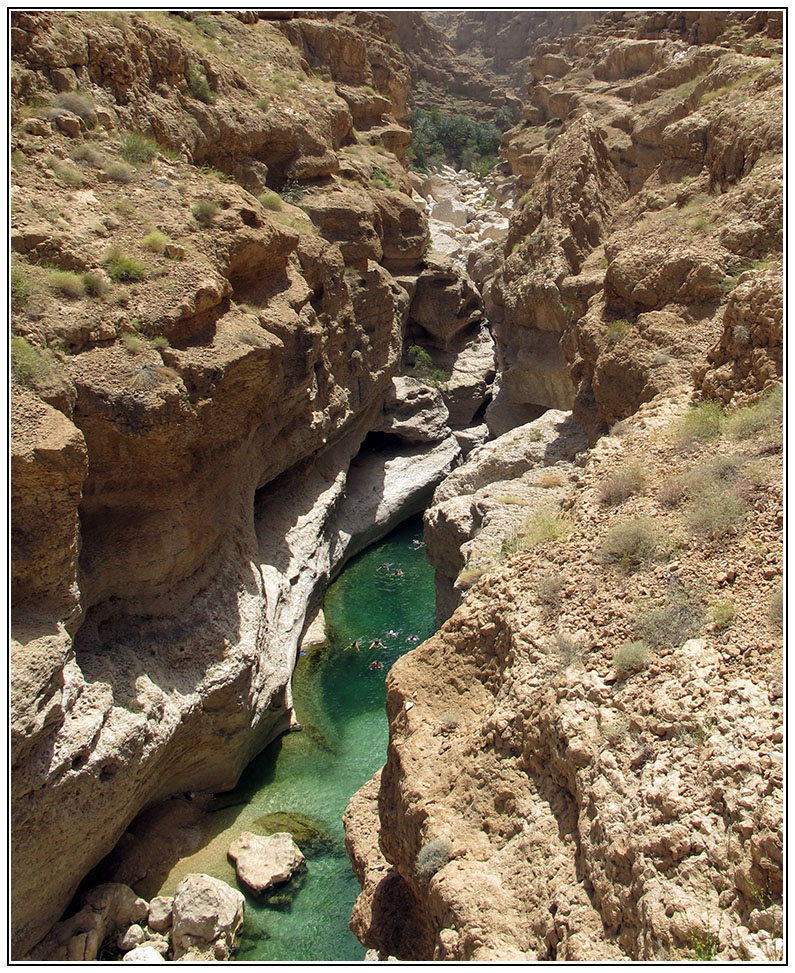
{"x":119,"y":172}
{"x":775,"y":611}
{"x":198,"y":85}
{"x":616,"y":330}
{"x":134,"y":343}
{"x":156,"y":241}
{"x":95,"y":284}
{"x":88,"y":154}
{"x":630,"y":657}
{"x":670,"y":624}
{"x":123,"y":205}
{"x":66,"y":173}
{"x":29,"y":365}
{"x":701,"y":423}
{"x":271,"y":201}
{"x":551,"y":478}
{"x":631,"y":543}
{"x":550,"y":590}
{"x":263,"y":103}
{"x":722,"y":613}
{"x":715,"y":504}
{"x":120,"y":267}
{"x":762,"y":418}
{"x":19,"y":286}
{"x":204,"y":211}
{"x":544,"y":526}
{"x":625,"y":482}
{"x":432,"y":856}
{"x":78,"y":103}
{"x":138,"y":148}
{"x":67,"y":283}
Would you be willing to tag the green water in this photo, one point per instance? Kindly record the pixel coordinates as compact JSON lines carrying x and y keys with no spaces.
{"x":339,"y":700}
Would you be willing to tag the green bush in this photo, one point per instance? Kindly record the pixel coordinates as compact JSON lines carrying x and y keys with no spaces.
{"x":119,"y":172}
{"x":630,"y":657}
{"x":424,"y":368}
{"x":722,"y":613}
{"x":29,"y":364}
{"x":155,"y":241}
{"x":204,"y":211}
{"x":19,"y":286}
{"x":66,"y":282}
{"x":138,"y":148}
{"x":668,"y":625}
{"x":198,"y":85}
{"x":263,"y":103}
{"x":622,"y":484}
{"x":123,"y":268}
{"x":381,"y":179}
{"x":438,"y":138}
{"x":631,"y":543}
{"x":763,"y":417}
{"x":432,"y":856}
{"x":701,"y":423}
{"x":270,"y":200}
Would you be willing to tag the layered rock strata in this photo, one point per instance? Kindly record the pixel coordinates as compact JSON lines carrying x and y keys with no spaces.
{"x":632,"y":256}
{"x":196,"y":372}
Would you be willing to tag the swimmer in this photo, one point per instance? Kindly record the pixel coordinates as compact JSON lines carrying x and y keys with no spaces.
{"x":397,"y":574}
{"x":354,"y":645}
{"x":392,"y":633}
{"x":376,"y":665}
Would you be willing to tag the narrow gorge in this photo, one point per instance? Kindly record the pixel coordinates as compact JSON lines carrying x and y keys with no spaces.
{"x":281,"y":281}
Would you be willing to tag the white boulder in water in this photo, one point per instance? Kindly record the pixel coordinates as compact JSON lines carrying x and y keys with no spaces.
{"x":263,"y":862}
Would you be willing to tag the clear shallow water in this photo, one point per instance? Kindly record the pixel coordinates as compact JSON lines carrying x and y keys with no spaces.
{"x":303,"y":781}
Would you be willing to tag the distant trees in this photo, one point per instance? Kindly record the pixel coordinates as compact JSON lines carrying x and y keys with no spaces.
{"x":454,"y":139}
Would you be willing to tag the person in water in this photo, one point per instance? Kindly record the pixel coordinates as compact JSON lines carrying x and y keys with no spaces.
{"x":375,"y":664}
{"x":377,"y":644}
{"x":354,"y":645}
{"x":397,"y":574}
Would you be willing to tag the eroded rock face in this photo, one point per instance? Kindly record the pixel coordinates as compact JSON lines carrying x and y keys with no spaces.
{"x":477,"y":513}
{"x":156,"y":613}
{"x":540,"y":802}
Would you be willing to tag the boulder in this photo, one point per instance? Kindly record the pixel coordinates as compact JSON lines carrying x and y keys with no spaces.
{"x":143,"y":954}
{"x":262,"y":862}
{"x":161,"y":912}
{"x":450,"y":211}
{"x":414,"y":412}
{"x":208,"y":915}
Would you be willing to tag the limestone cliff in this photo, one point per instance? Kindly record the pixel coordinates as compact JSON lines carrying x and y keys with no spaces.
{"x":651,"y":152}
{"x":585,"y":763}
{"x":215,"y":261}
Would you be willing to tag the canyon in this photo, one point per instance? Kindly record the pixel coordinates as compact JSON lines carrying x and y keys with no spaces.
{"x":248,"y":340}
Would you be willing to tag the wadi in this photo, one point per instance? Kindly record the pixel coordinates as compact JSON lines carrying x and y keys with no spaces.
{"x":282,"y":284}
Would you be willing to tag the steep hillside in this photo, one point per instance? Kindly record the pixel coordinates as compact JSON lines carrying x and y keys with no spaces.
{"x":585,"y":763}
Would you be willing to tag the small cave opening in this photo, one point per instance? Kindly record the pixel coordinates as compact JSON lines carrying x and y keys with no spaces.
{"x":382,"y":442}
{"x":480,"y":416}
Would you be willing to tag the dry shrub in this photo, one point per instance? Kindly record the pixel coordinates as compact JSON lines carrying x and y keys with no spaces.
{"x":625,"y":482}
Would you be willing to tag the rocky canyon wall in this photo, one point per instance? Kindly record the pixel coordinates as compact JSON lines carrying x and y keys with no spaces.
{"x":585,"y":763}
{"x":215,"y":259}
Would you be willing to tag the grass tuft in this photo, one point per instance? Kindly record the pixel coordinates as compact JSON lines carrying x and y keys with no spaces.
{"x":66,"y":283}
{"x":123,"y":268}
{"x":138,"y":148}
